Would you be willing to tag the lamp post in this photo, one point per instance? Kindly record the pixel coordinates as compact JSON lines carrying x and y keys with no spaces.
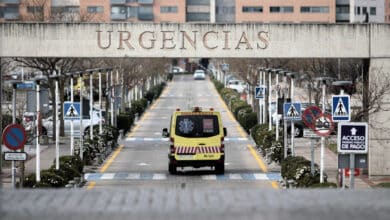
{"x":56,"y":77}
{"x":284,"y":119}
{"x":38,"y":80}
{"x":292,"y":76}
{"x":269,"y":99}
{"x":261,"y":100}
{"x":100,"y":102}
{"x":14,"y":84}
{"x":72,"y":75}
{"x":276,"y":72}
{"x":91,"y":104}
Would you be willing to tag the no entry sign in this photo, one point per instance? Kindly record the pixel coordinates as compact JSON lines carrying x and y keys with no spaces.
{"x":14,"y":136}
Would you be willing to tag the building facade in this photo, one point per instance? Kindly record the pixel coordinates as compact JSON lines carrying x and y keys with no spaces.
{"x":208,"y":11}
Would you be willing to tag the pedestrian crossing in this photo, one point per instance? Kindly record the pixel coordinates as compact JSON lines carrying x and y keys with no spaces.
{"x":148,"y":139}
{"x":164,"y":176}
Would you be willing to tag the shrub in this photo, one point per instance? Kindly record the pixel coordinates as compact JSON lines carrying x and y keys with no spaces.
{"x":324,"y":185}
{"x":298,"y":169}
{"x":257,"y":133}
{"x":236,"y":105}
{"x":247,"y":118}
{"x":276,"y":151}
{"x":125,"y":121}
{"x":138,"y":106}
{"x":218,"y":85}
{"x":29,"y":180}
{"x":68,"y":172}
{"x":51,"y":179}
{"x":170,"y":76}
{"x":149,"y":95}
{"x":72,"y":161}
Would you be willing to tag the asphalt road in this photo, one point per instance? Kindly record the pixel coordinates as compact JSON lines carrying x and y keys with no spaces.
{"x":142,"y":160}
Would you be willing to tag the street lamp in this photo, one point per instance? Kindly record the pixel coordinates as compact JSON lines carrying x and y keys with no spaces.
{"x":57,"y":77}
{"x":38,"y":80}
{"x":260,"y":70}
{"x":72,"y":75}
{"x":292,"y":76}
{"x":14,"y":84}
{"x":276,"y":72}
{"x":269,"y":70}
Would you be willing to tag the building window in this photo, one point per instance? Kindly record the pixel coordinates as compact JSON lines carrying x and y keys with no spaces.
{"x":168,"y":9}
{"x":65,"y":9}
{"x":364,"y":10}
{"x":145,"y":13}
{"x":95,"y":9}
{"x":132,"y":12}
{"x":225,"y":10}
{"x":358,"y":10}
{"x":342,"y":9}
{"x":314,"y":9}
{"x":131,"y":1}
{"x":1,"y":12}
{"x":145,"y":1}
{"x":258,"y":9}
{"x":372,"y":11}
{"x":277,"y":9}
{"x":34,"y":9}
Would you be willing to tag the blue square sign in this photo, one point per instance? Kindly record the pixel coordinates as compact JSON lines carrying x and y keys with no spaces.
{"x":292,"y":111}
{"x":260,"y":92}
{"x":341,"y":108}
{"x":352,"y":137}
{"x":72,"y":111}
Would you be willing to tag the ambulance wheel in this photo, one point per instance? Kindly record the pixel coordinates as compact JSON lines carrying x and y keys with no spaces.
{"x":220,"y":168}
{"x":172,"y":168}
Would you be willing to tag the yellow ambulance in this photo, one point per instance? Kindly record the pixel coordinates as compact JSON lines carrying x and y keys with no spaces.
{"x":196,"y":140}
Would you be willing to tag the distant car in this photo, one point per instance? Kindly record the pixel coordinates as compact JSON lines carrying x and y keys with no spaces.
{"x":177,"y":69}
{"x":199,"y":74}
{"x":237,"y":85}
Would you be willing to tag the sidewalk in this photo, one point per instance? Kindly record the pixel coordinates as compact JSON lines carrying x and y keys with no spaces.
{"x":47,"y":154}
{"x":302,"y":148}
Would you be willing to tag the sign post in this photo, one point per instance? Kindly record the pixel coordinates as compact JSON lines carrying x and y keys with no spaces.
{"x":352,"y":139}
{"x":14,"y":138}
{"x":292,"y":112}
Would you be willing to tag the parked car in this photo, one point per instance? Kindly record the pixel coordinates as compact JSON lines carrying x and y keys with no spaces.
{"x":47,"y":124}
{"x":199,"y":74}
{"x":236,"y":85}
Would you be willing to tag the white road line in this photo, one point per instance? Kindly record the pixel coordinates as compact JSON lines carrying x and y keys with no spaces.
{"x":159,"y":176}
{"x":209,"y":177}
{"x":108,"y":176}
{"x":235,"y":176}
{"x":261,"y":176}
{"x":134,"y":176}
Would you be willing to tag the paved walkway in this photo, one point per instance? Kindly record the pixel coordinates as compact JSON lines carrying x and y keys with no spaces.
{"x":302,"y":148}
{"x":47,"y":155}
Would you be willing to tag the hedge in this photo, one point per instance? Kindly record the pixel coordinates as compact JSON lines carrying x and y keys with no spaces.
{"x":124,"y":121}
{"x":298,"y":169}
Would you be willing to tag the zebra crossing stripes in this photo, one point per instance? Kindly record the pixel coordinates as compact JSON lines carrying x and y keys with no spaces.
{"x":148,"y":139}
{"x":163,"y":176}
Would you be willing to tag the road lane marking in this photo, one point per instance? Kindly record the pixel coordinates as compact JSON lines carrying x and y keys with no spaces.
{"x":91,"y":185}
{"x":275,"y":185}
{"x":261,"y":164}
{"x":111,"y":159}
{"x":162,"y":176}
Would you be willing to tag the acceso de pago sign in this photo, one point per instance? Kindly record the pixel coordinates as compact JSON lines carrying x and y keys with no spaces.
{"x":352,"y":137}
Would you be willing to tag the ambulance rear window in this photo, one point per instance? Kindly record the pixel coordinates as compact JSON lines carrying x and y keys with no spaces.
{"x":197,"y":125}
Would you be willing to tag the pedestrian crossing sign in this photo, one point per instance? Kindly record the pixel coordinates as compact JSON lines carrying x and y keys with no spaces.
{"x":260,"y":92}
{"x":71,"y":110}
{"x":341,"y":108}
{"x":292,"y":111}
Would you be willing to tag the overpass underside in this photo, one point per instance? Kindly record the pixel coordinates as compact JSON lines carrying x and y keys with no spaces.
{"x":370,"y":42}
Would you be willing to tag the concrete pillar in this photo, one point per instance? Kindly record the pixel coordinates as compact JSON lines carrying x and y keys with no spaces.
{"x":379,"y":122}
{"x":212,"y":11}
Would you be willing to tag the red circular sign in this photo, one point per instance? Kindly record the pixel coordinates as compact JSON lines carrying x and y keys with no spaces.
{"x":14,"y":136}
{"x":310,"y":115}
{"x":323,"y":125}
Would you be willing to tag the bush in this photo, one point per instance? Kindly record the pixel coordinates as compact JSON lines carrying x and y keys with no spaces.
{"x":170,"y":76}
{"x":72,"y":161}
{"x":324,"y":185}
{"x":277,"y":151}
{"x":29,"y":181}
{"x":51,"y":179}
{"x":218,"y":85}
{"x":298,"y":169}
{"x":125,"y":121}
{"x":139,"y":106}
{"x":257,"y":133}
{"x":238,"y":104}
{"x":247,"y":118}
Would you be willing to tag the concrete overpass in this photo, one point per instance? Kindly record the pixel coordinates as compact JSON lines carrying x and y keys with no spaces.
{"x":365,"y":41}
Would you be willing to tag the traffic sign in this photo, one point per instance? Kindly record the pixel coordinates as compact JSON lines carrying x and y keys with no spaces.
{"x":341,"y":108}
{"x":323,"y":125}
{"x":260,"y":92}
{"x":352,"y":137}
{"x":15,"y":156}
{"x":309,"y":133}
{"x":310,"y":115}
{"x":72,"y":111}
{"x":14,"y":136}
{"x":25,"y":85}
{"x":292,"y":111}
